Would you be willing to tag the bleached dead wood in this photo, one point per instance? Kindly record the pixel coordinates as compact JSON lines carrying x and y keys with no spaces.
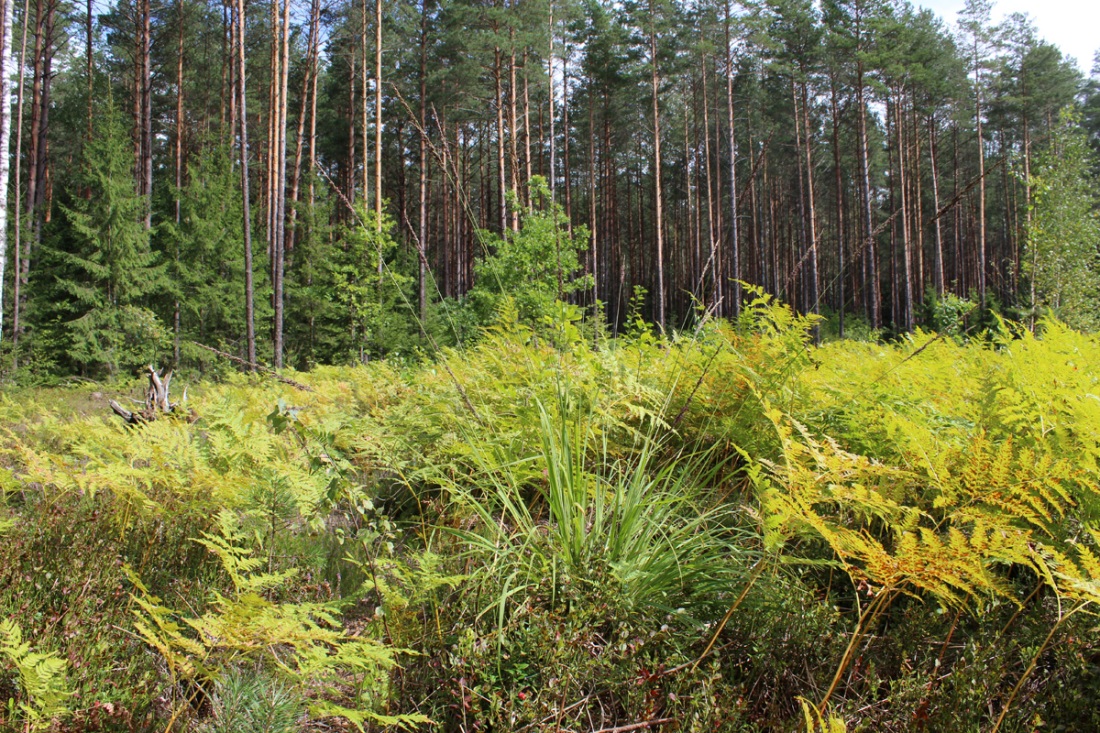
{"x":156,"y":400}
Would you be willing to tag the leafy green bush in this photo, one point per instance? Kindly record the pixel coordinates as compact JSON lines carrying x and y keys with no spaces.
{"x":534,"y":267}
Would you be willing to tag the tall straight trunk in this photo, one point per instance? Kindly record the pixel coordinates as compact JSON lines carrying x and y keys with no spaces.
{"x":566,"y":172}
{"x":350,"y":173}
{"x":179,"y":168}
{"x":230,"y":52}
{"x":593,"y":226}
{"x":815,"y":306}
{"x":711,"y":232}
{"x":365,"y":97}
{"x":1027,"y":219}
{"x":659,"y":222}
{"x":937,"y":253}
{"x":35,"y":121}
{"x":513,"y":140}
{"x":960,"y":274}
{"x":270,"y":176}
{"x":906,"y":246}
{"x":18,"y":280}
{"x":147,"y":111}
{"x":870,"y":253}
{"x":1007,"y":243}
{"x":280,"y":186}
{"x":526,"y":123}
{"x":377,"y":125}
{"x":550,"y":97}
{"x":316,"y":73}
{"x":40,"y":122}
{"x":422,"y":159}
{"x":839,"y":199}
{"x":303,"y":113}
{"x":735,"y":252}
{"x":892,"y":183}
{"x":796,"y":276}
{"x":138,"y":98}
{"x":227,"y":87}
{"x":686,"y":258}
{"x":179,"y":108}
{"x":498,"y":72}
{"x":88,"y":66}
{"x":6,"y":58}
{"x":981,"y":175}
{"x":916,"y":198}
{"x":40,"y":158}
{"x":249,"y":310}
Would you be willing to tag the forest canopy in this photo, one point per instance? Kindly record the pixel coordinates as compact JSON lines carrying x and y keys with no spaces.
{"x":329,"y":182}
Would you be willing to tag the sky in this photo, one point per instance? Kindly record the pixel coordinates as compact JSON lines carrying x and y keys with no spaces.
{"x":1072,"y":25}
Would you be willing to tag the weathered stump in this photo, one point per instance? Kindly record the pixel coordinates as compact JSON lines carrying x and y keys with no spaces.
{"x":156,"y":400}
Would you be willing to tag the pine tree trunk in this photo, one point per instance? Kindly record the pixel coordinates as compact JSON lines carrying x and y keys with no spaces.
{"x":870,"y":254}
{"x":179,"y":165}
{"x":378,"y":125}
{"x":814,"y":298}
{"x":498,"y":103}
{"x":735,"y":244}
{"x":981,"y":177}
{"x":526,"y":124}
{"x":422,"y":229}
{"x":88,"y":64}
{"x":937,"y":254}
{"x":250,"y":321}
{"x":280,"y":186}
{"x":303,"y":113}
{"x":567,"y":171}
{"x":35,"y":122}
{"x":659,"y":222}
{"x":365,"y":100}
{"x":513,"y":140}
{"x":553,"y":174}
{"x":906,"y":246}
{"x":711,"y":232}
{"x":147,"y":111}
{"x":839,"y":199}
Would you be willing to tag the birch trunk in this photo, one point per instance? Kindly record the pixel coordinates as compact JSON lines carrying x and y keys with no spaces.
{"x":5,"y":140}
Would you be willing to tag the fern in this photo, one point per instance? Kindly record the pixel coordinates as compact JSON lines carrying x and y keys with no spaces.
{"x":43,"y":689}
{"x":305,"y":641}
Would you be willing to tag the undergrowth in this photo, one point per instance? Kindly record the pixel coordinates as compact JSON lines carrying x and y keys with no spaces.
{"x":729,"y":529}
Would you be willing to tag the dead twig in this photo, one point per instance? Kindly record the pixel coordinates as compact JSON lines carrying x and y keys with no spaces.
{"x":636,"y":726}
{"x":252,"y":365}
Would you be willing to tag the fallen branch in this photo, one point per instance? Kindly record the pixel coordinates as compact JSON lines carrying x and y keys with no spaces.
{"x":636,"y":726}
{"x":253,"y":365}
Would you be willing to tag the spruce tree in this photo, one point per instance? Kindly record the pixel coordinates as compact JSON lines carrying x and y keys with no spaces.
{"x":107,"y":272}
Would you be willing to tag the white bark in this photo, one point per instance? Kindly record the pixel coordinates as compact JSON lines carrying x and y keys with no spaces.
{"x":6,"y":63}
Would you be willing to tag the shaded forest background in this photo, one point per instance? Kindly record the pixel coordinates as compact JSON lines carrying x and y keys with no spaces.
{"x":330,"y":182}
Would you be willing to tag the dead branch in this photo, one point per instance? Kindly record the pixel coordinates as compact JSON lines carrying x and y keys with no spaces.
{"x":636,"y":726}
{"x":252,"y":365}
